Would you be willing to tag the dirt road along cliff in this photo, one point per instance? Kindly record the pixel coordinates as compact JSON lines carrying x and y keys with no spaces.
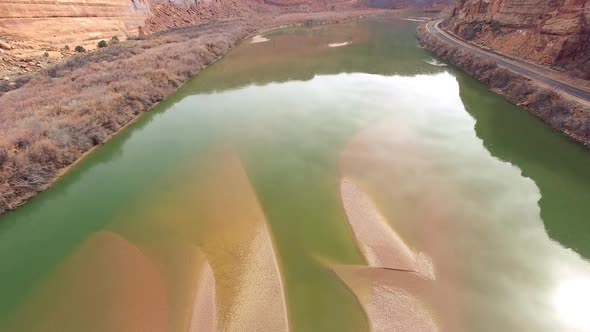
{"x":526,"y":69}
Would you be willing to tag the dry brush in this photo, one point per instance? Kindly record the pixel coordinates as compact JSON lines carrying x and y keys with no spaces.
{"x":52,"y":118}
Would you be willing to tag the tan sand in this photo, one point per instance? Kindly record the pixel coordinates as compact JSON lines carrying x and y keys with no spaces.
{"x":371,"y":159}
{"x":186,"y":272}
{"x":386,"y":288}
{"x":338,"y":44}
{"x":204,"y":314}
{"x":239,"y":245}
{"x":108,"y":284}
{"x":242,"y":246}
{"x":380,"y":245}
{"x":258,"y":39}
{"x":388,"y":297}
{"x":260,"y":304}
{"x":216,"y":209}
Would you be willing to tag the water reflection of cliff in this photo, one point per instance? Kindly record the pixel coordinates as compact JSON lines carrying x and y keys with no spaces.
{"x":558,"y":169}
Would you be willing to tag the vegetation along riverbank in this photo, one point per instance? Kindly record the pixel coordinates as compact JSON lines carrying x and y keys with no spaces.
{"x":49,"y":120}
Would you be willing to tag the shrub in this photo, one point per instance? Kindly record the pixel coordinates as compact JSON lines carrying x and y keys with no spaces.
{"x":46,"y":54}
{"x":43,"y":152}
{"x":560,"y":107}
{"x":50,"y":120}
{"x":496,"y":26}
{"x":80,"y":49}
{"x":3,"y":155}
{"x":67,"y":48}
{"x":114,"y":40}
{"x":102,"y":44}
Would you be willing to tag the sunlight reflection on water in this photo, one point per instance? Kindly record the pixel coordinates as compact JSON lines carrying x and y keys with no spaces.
{"x":571,"y":300}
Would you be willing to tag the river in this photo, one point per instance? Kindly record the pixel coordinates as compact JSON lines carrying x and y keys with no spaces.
{"x":226,"y":206}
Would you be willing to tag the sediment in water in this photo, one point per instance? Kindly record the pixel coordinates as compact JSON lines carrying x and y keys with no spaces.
{"x":382,"y":288}
{"x":373,"y":160}
{"x":240,"y":247}
{"x":204,"y":311}
{"x":215,"y":208}
{"x":107,"y":284}
{"x":379,"y":243}
{"x":390,"y":298}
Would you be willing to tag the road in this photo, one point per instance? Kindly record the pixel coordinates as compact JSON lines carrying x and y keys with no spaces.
{"x":526,"y":69}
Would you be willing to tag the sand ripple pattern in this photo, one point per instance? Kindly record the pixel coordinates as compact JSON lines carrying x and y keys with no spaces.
{"x":261,"y":290}
{"x":204,"y":315}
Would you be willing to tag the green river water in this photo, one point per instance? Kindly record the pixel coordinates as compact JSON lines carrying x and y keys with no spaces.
{"x":497,"y":199}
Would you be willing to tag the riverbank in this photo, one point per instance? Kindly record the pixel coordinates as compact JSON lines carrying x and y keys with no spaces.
{"x":49,"y":122}
{"x":566,"y":114}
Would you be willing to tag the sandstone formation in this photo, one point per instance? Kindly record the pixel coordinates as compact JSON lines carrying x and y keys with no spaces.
{"x":549,"y":32}
{"x":177,"y":13}
{"x":5,"y":45}
{"x":62,"y":22}
{"x":36,"y":34}
{"x":67,"y":21}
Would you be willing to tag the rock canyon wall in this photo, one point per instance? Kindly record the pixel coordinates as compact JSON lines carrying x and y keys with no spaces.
{"x":549,"y":32}
{"x":419,"y":4}
{"x":67,"y":21}
{"x":62,"y":22}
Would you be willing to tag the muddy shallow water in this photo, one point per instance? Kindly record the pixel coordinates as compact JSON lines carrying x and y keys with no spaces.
{"x":226,"y":207}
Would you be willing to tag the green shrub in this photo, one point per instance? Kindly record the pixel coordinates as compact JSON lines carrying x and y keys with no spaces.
{"x":67,"y":48}
{"x":80,"y":49}
{"x":114,"y":40}
{"x":102,"y":44}
{"x":46,"y":54}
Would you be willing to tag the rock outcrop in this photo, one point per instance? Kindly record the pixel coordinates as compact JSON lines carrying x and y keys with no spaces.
{"x":556,"y":109}
{"x":549,"y":32}
{"x":62,"y":22}
{"x":67,"y":21}
{"x":167,"y":14}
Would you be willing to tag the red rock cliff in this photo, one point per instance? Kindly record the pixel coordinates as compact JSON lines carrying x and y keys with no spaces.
{"x":549,"y":32}
{"x":65,"y":21}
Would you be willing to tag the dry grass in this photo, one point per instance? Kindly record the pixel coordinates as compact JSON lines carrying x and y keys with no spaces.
{"x":56,"y":116}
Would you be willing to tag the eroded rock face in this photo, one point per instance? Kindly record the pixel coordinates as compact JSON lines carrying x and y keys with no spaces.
{"x":394,"y":4}
{"x":62,"y":21}
{"x":548,"y":32}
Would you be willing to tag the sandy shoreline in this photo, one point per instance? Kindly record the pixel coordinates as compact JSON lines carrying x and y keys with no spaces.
{"x":237,"y":243}
{"x":258,"y":39}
